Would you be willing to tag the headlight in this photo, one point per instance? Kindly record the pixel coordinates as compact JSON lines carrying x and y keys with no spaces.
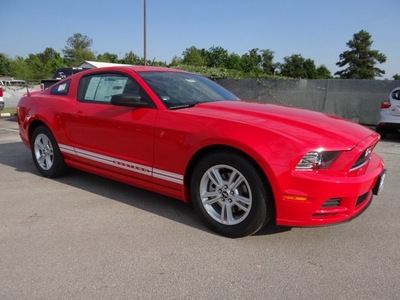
{"x":316,"y":160}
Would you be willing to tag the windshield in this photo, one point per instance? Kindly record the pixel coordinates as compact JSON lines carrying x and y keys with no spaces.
{"x":179,"y":90}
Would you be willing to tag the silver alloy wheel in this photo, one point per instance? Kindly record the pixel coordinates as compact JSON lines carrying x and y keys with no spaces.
{"x":44,"y":152}
{"x":225,"y":194}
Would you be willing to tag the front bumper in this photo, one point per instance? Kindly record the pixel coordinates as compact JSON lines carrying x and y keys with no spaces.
{"x":327,"y":199}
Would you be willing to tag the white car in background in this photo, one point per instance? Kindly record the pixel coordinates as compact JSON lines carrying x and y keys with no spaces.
{"x":390,"y":114}
{"x":1,"y":99}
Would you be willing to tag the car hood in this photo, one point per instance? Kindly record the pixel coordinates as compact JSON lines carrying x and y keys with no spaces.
{"x":312,"y":127}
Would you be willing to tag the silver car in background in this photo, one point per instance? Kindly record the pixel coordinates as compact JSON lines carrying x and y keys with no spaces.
{"x":390,"y":114}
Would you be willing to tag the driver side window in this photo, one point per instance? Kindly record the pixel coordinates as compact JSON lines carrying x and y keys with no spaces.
{"x":99,"y":88}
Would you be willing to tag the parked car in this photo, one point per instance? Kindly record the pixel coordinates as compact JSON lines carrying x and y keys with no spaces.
{"x":59,"y":74}
{"x":390,"y":114}
{"x":1,"y":99}
{"x":242,"y":164}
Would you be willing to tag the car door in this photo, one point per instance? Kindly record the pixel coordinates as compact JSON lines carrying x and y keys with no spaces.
{"x":114,"y":138}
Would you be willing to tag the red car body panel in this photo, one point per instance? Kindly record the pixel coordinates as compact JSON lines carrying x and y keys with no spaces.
{"x":155,"y":148}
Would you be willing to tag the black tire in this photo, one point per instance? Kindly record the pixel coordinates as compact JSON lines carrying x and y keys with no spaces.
{"x":46,"y":154}
{"x":230,"y":195}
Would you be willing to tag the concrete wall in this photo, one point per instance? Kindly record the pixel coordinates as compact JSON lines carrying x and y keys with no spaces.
{"x":356,"y":100}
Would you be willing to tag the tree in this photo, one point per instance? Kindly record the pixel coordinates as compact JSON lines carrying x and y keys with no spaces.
{"x":267,"y":61}
{"x":323,"y":73}
{"x":5,"y":65}
{"x":108,"y":57}
{"x":20,"y":69}
{"x":233,"y":62}
{"x":396,"y":77}
{"x":51,"y":60}
{"x":251,"y":62}
{"x":37,"y":69}
{"x":360,"y":59}
{"x":217,"y":57}
{"x":296,"y":66}
{"x":194,"y":57}
{"x":176,"y":61}
{"x":78,"y":49}
{"x":131,"y":58}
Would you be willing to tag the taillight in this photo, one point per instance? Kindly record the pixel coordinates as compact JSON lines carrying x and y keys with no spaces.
{"x":1,"y":92}
{"x":385,"y":104}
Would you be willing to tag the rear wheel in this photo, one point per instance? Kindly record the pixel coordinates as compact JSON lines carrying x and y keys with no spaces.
{"x":46,"y":154}
{"x":230,"y":195}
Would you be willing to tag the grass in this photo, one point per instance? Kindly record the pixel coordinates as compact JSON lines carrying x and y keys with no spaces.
{"x":11,"y":110}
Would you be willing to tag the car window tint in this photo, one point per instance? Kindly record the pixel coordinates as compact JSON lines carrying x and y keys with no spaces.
{"x":61,"y":88}
{"x":101,"y":87}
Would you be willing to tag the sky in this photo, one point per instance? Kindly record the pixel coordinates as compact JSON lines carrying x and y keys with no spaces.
{"x":315,"y":29}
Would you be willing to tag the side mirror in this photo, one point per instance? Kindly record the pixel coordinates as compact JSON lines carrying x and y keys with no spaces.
{"x":129,"y":100}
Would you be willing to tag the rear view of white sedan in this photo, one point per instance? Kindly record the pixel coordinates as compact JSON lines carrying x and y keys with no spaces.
{"x":390,"y":114}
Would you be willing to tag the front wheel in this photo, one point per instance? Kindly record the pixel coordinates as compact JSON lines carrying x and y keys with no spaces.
{"x":46,"y":154}
{"x":230,"y":195}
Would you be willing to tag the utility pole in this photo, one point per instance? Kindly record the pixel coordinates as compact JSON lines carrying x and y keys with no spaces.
{"x":144,"y":33}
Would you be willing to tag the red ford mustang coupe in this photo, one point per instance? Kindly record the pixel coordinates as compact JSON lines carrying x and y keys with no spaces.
{"x":242,"y":164}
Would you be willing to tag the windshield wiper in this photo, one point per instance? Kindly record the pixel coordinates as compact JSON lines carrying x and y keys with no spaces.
{"x":182,"y":106}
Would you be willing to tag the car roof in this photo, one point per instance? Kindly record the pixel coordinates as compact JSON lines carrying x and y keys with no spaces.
{"x":136,"y":69}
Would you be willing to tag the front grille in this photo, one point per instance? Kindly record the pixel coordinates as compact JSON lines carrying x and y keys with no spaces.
{"x":362,"y":198}
{"x":363,"y":159}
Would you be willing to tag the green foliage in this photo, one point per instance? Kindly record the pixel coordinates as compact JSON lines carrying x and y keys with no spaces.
{"x":218,"y":73}
{"x":255,"y":63}
{"x":322,"y":72}
{"x":194,"y":57}
{"x":360,"y":59}
{"x":216,"y":57}
{"x":108,"y":57}
{"x":20,"y":68}
{"x":296,"y":66}
{"x":78,"y":49}
{"x":216,"y":62}
{"x":5,"y":65}
{"x":131,"y":58}
{"x":233,"y":62}
{"x":176,"y":61}
{"x":267,"y":62}
{"x":251,"y":62}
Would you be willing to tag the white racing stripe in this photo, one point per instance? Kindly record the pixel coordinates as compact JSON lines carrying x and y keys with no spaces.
{"x":123,"y":164}
{"x":168,"y":176}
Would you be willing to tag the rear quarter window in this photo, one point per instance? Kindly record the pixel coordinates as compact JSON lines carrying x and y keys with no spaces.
{"x":61,"y":88}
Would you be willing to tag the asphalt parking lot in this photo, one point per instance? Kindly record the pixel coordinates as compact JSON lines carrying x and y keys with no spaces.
{"x":86,"y":237}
